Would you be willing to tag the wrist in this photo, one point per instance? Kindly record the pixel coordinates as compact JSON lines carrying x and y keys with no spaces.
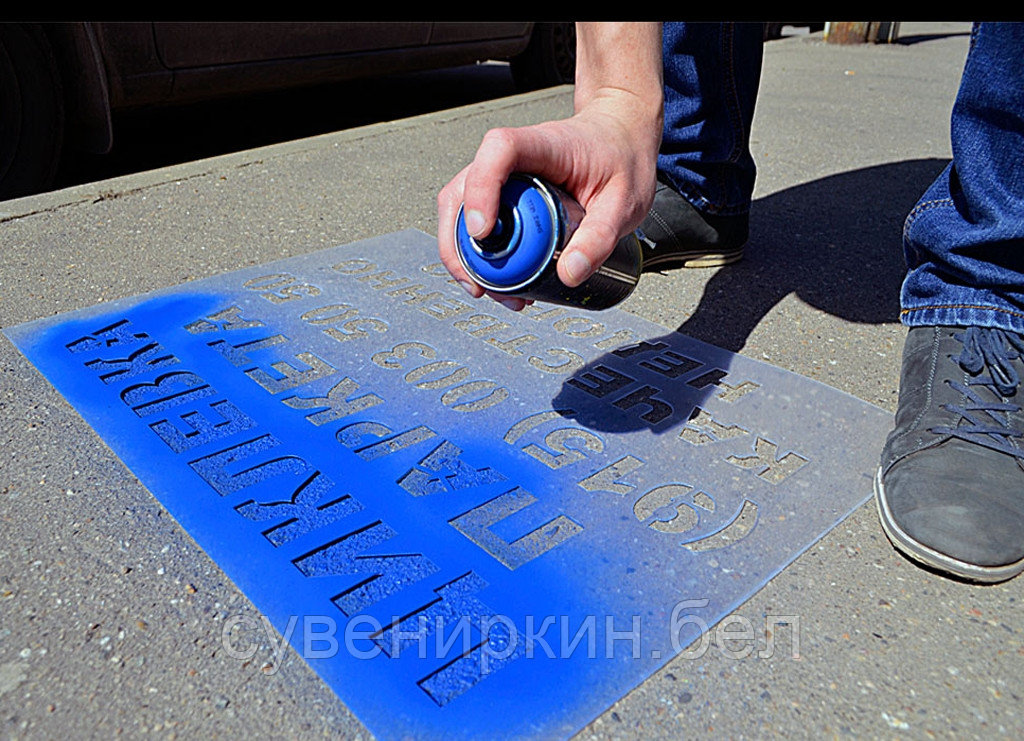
{"x":638,"y":117}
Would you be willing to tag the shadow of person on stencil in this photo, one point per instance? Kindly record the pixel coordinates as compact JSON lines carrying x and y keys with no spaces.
{"x":833,"y":242}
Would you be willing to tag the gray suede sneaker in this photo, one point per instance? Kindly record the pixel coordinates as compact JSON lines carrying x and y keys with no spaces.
{"x":950,"y":489}
{"x":675,"y":234}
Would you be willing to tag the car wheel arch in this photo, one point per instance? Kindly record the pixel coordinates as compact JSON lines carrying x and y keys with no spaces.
{"x":87,"y":102}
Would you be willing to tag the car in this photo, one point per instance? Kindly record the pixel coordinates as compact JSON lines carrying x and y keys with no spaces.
{"x":61,"y":83}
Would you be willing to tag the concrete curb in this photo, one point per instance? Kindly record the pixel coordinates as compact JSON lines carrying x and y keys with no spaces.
{"x":117,"y":186}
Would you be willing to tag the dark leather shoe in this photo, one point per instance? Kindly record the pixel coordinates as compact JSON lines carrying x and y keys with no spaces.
{"x":675,"y":234}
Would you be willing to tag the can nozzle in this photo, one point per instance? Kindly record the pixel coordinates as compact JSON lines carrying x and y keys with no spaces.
{"x":497,"y":243}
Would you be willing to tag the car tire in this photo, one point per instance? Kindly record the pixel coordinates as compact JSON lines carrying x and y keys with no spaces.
{"x":31,"y":111}
{"x":549,"y":59}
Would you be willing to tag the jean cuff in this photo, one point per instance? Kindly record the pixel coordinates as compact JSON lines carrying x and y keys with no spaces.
{"x":964,"y":315}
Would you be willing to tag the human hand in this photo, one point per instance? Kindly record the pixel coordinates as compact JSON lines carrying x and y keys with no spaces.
{"x":604,"y":156}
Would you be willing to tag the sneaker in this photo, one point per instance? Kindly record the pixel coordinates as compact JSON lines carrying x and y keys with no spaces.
{"x":677,"y":235}
{"x":950,"y":489}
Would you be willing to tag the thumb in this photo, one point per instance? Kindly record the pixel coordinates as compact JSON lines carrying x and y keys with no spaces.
{"x":589,"y":247}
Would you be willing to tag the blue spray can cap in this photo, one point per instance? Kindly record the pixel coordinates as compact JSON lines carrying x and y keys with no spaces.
{"x":519,"y":257}
{"x":523,"y":241}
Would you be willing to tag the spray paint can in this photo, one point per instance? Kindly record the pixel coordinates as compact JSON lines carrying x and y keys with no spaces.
{"x":519,"y":256}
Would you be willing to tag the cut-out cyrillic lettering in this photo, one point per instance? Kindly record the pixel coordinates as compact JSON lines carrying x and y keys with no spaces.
{"x":610,"y":477}
{"x":601,"y":381}
{"x":167,"y":391}
{"x":302,"y":513}
{"x":380,"y":576}
{"x":339,"y":402}
{"x":214,"y":468}
{"x":766,"y":464}
{"x":200,"y":429}
{"x":476,"y":525}
{"x":444,"y":470}
{"x":657,"y":409}
{"x":291,"y":375}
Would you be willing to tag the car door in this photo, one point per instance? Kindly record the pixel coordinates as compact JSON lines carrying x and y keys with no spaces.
{"x":190,"y":45}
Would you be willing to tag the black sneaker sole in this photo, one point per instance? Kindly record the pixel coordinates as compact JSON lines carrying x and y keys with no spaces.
{"x":932,"y":558}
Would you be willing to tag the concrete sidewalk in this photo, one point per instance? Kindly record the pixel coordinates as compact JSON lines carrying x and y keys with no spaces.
{"x":111,"y":617}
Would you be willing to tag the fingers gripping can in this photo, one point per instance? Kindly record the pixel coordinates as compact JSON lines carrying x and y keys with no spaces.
{"x":520,"y":255}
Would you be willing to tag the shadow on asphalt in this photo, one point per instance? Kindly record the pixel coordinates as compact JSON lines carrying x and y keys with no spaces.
{"x":834,"y":242}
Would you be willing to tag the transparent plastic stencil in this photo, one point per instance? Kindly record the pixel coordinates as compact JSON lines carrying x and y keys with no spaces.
{"x":470,"y":522}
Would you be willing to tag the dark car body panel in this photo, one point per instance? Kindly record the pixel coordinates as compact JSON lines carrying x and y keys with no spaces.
{"x":69,"y":80}
{"x":164,"y":62}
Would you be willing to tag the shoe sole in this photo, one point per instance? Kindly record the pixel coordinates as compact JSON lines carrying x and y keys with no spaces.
{"x":932,"y":558}
{"x":693,"y":260}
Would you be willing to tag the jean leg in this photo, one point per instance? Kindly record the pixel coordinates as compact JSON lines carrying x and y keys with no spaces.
{"x":712,"y":72}
{"x":964,"y":241}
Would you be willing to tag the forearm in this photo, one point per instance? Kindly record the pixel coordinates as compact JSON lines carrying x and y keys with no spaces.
{"x":620,"y":65}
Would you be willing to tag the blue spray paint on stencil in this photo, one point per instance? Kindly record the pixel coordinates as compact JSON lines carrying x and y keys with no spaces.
{"x":471,"y":523}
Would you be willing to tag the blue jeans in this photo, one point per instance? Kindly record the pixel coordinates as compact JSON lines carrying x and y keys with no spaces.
{"x":712,"y":71}
{"x":964,"y":241}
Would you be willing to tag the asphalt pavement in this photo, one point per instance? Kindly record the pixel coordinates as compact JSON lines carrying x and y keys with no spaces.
{"x":111,"y":617}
